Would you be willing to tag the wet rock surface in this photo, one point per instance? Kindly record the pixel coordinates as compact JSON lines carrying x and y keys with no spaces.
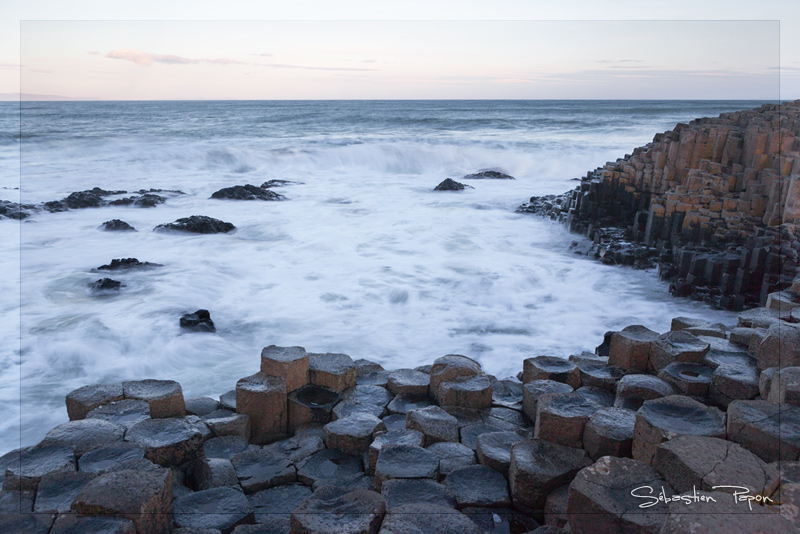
{"x":479,"y":486}
{"x":333,"y":371}
{"x":261,"y":469}
{"x":769,"y":430}
{"x":405,"y":491}
{"x":123,"y":264}
{"x":427,"y":518}
{"x":166,"y":441}
{"x":196,"y":224}
{"x":246,"y":192}
{"x":117,"y":225}
{"x":434,"y":423}
{"x":84,"y":435}
{"x":551,"y":368}
{"x":199,"y":321}
{"x":219,"y":508}
{"x":488,"y":175}
{"x":405,"y":461}
{"x":84,"y":399}
{"x":448,"y":184}
{"x":105,"y":285}
{"x":165,"y":397}
{"x":125,"y":412}
{"x":329,"y":510}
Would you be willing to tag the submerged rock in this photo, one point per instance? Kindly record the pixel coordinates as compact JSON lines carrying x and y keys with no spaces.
{"x":12,"y":210}
{"x":199,"y":321}
{"x":117,"y":225}
{"x":196,"y":224}
{"x":246,"y":192}
{"x":128,"y":263}
{"x":277,"y":183}
{"x":488,"y":175}
{"x":448,"y":184}
{"x":106,"y":284}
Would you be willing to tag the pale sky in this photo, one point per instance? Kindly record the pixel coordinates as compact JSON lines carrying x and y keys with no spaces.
{"x":356,"y":49}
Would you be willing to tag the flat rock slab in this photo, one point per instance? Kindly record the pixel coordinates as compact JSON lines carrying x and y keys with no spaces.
{"x":601,"y":398}
{"x":500,"y":519}
{"x":201,"y":406}
{"x":225,"y":446}
{"x":225,"y":423}
{"x":427,"y":518}
{"x":75,"y":524}
{"x":125,"y":412}
{"x":34,"y":463}
{"x":297,"y":448}
{"x":408,"y":382}
{"x":165,"y":397}
{"x":434,"y":423}
{"x":372,"y":395}
{"x":402,"y":404}
{"x":263,"y":397}
{"x":405,"y":491}
{"x":352,"y":434}
{"x":260,"y":469}
{"x":473,"y":392}
{"x":84,"y":399}
{"x":329,"y":510}
{"x":402,"y":436}
{"x":532,"y":391}
{"x":680,"y":346}
{"x":551,"y":368}
{"x":598,"y":374}
{"x":311,"y":405}
{"x":394,"y":422}
{"x":167,"y":441}
{"x":328,"y":465}
{"x":452,"y":456}
{"x":275,"y":505}
{"x":470,"y":433}
{"x":602,"y":497}
{"x":733,"y":382}
{"x":630,"y":348}
{"x":333,"y":371}
{"x":634,"y":389}
{"x":609,"y":432}
{"x":690,"y":379}
{"x":659,"y":420}
{"x":507,"y":418}
{"x":450,"y":367}
{"x":84,"y":435}
{"x":289,"y":363}
{"x":770,"y":430}
{"x":405,"y":461}
{"x":210,"y":473}
{"x":144,"y":497}
{"x":538,"y":467}
{"x":560,"y":418}
{"x":478,"y":485}
{"x":220,"y":508}
{"x":494,"y":449}
{"x":56,"y":491}
{"x":689,"y":462}
{"x":717,"y":512}
{"x":346,"y":408}
{"x":506,"y":393}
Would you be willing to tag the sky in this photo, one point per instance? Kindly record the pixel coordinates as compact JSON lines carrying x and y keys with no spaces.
{"x":352,"y":49}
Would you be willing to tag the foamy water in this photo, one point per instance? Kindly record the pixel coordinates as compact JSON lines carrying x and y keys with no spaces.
{"x":364,"y":258}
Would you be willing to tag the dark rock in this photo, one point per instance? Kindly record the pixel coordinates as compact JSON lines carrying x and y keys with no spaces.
{"x":311,"y":405}
{"x":220,"y":508}
{"x":167,"y":441}
{"x":297,"y":448}
{"x":225,"y":423}
{"x":84,"y":399}
{"x":473,"y":392}
{"x":100,"y":460}
{"x":273,"y":506}
{"x":718,"y":512}
{"x":225,"y":446}
{"x":560,"y":418}
{"x":680,"y":346}
{"x":609,"y":432}
{"x":210,"y":473}
{"x":128,"y":263}
{"x":470,"y":433}
{"x":405,"y":491}
{"x":196,"y":224}
{"x":408,"y":382}
{"x":551,"y":368}
{"x":263,"y":398}
{"x":57,"y":490}
{"x":199,"y":321}
{"x":448,"y":184}
{"x":488,"y":175}
{"x":393,"y":437}
{"x":26,"y":523}
{"x":246,"y":192}
{"x":506,"y":393}
{"x":405,"y":461}
{"x":633,"y":390}
{"x":352,"y":434}
{"x":780,"y":347}
{"x":201,"y":406}
{"x":478,"y":485}
{"x":494,"y":520}
{"x":427,"y":518}
{"x":690,"y":379}
{"x":12,"y":210}
{"x":75,"y":524}
{"x":598,"y":374}
{"x":165,"y":397}
{"x":733,"y":382}
{"x":434,"y":423}
{"x":600,"y":397}
{"x":329,"y":510}
{"x":402,"y":404}
{"x":228,"y":400}
{"x":555,"y":507}
{"x":145,"y":497}
{"x":125,"y":412}
{"x":348,"y":408}
{"x":277,"y":183}
{"x":452,"y":456}
{"x":260,"y":469}
{"x":91,"y":198}
{"x":630,"y":348}
{"x":450,"y":367}
{"x":333,"y":371}
{"x":532,"y":391}
{"x":394,"y":422}
{"x":378,"y":378}
{"x":367,"y":367}
{"x":365,"y":394}
{"x":290,"y":363}
{"x":105,"y":284}
{"x":327,"y":466}
{"x":83,"y":435}
{"x":494,"y":449}
{"x":505,"y":417}
{"x":768,"y":429}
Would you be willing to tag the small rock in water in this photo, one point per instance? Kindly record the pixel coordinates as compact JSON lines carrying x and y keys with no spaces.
{"x":128,"y":263}
{"x":488,"y":175}
{"x":451,"y":185}
{"x":196,"y":224}
{"x":106,"y":284}
{"x":117,"y":225}
{"x":277,"y":183}
{"x":199,"y":321}
{"x":246,"y":192}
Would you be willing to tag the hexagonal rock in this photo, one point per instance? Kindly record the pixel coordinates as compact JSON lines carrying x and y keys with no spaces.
{"x":604,"y":497}
{"x":452,"y":456}
{"x":84,"y":399}
{"x":75,"y":524}
{"x":328,"y":510}
{"x":690,"y":379}
{"x":505,"y":417}
{"x":346,"y":408}
{"x":404,"y":491}
{"x":378,"y":378}
{"x":785,"y":386}
{"x":226,"y":423}
{"x":506,"y":393}
{"x":450,"y":367}
{"x":333,"y":371}
{"x":408,"y":382}
{"x":599,"y":397}
{"x":371,"y":395}
{"x":733,"y":382}
{"x":167,"y":441}
{"x":633,"y":390}
{"x":352,"y":434}
{"x":126,"y":412}
{"x":225,"y":446}
{"x":715,"y":358}
{"x":395,"y":421}
{"x":551,"y":368}
{"x":57,"y":490}
{"x":761,"y":317}
{"x":144,"y":497}
{"x":560,"y":418}
{"x":275,"y":505}
{"x":201,"y":406}
{"x":402,"y":404}
{"x":464,"y":416}
{"x":165,"y":397}
{"x":289,"y":363}
{"x":219,"y":508}
{"x":473,"y":392}
{"x":227,"y":401}
{"x":427,"y":517}
{"x":717,"y":330}
{"x":609,"y":432}
{"x":659,"y":420}
{"x":780,"y":347}
{"x":434,"y":423}
{"x":298,"y":448}
{"x":538,"y":467}
{"x":478,"y":485}
{"x":687,"y":462}
{"x":597,"y":374}
{"x":84,"y":435}
{"x":263,"y":398}
{"x":765,"y":381}
{"x":555,"y":507}
{"x":630,"y":348}
{"x":769,"y":430}
{"x":393,"y":437}
{"x":260,"y":469}
{"x":405,"y":461}
{"x":327,"y":465}
{"x":682,"y":323}
{"x":532,"y":391}
{"x":210,"y":473}
{"x":680,"y":346}
{"x":494,"y":449}
{"x":102,"y":459}
{"x":470,"y":433}
{"x":366,"y":367}
{"x":718,"y":512}
{"x":311,"y":405}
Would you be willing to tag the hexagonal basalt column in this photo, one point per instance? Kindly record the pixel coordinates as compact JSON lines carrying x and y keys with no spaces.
{"x":680,"y":346}
{"x":165,"y":397}
{"x":474,"y":392}
{"x":263,"y":398}
{"x":450,"y":367}
{"x":560,"y":418}
{"x":289,"y":363}
{"x":311,"y":405}
{"x":551,"y":368}
{"x":630,"y":348}
{"x":333,"y":371}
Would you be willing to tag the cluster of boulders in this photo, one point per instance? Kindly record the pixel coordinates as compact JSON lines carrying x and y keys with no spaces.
{"x":693,"y":430}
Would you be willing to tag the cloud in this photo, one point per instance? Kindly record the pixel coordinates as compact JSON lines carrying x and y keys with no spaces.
{"x":93,"y":53}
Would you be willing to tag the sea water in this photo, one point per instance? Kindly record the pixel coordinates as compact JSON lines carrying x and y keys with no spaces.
{"x":363,"y":258}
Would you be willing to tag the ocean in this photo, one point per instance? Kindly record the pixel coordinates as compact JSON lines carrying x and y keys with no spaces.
{"x":363,"y":258}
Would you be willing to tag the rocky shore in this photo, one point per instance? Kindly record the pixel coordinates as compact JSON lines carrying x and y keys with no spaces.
{"x":714,"y":204}
{"x":692,"y":430}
